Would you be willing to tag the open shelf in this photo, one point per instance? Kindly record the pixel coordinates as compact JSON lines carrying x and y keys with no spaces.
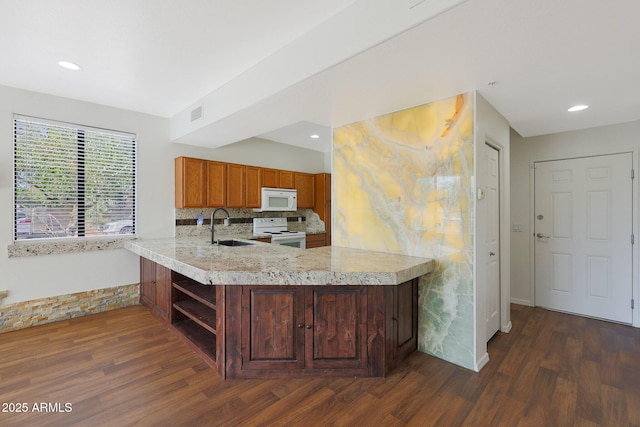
{"x":203,"y":341}
{"x":202,"y":293}
{"x":200,"y":314}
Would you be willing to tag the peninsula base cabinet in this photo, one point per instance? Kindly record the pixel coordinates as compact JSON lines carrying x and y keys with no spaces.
{"x":264,"y":331}
{"x":155,"y":288}
{"x":297,"y":331}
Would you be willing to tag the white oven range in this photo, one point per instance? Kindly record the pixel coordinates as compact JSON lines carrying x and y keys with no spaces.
{"x":278,"y":230}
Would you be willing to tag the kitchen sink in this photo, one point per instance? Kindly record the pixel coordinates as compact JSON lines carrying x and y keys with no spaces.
{"x":233,"y":243}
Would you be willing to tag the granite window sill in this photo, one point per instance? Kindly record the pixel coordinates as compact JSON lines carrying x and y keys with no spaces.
{"x":65,"y":246}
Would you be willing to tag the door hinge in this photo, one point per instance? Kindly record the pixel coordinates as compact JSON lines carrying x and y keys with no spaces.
{"x":633,"y":174}
{"x":633,"y":239}
{"x":632,"y":304}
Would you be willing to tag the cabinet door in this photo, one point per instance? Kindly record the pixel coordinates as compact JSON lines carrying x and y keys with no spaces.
{"x":305,"y":184}
{"x":273,"y":328}
{"x":253,"y":183}
{"x":147,"y":283}
{"x":336,"y":329}
{"x":235,"y":186}
{"x":405,"y":315}
{"x":216,"y":184}
{"x":286,"y":179}
{"x":163,"y":291}
{"x":270,"y":178}
{"x":190,"y":182}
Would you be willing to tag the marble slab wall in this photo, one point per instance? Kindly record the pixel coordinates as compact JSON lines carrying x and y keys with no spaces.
{"x":404,"y":183}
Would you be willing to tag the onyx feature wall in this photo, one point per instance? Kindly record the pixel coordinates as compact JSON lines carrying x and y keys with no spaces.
{"x":404,"y":183}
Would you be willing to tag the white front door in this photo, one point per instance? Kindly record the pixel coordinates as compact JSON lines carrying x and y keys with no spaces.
{"x":583,"y":236}
{"x":492,"y":243}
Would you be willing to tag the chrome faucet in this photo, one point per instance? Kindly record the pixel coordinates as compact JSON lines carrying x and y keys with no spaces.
{"x":213,"y":214}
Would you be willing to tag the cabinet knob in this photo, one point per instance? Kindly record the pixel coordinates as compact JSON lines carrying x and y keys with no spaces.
{"x":300,"y":325}
{"x":309,"y":326}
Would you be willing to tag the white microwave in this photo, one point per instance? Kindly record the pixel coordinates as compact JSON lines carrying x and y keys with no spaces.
{"x":278,"y":199}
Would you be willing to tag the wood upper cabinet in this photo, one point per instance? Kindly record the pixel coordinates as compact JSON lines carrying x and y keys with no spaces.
{"x":254,"y":184}
{"x":236,"y":187}
{"x":302,"y":329}
{"x":305,"y":184}
{"x":216,"y":184}
{"x":200,"y":183}
{"x":209,"y":184}
{"x":286,"y":179}
{"x":270,"y":178}
{"x":191,"y":182}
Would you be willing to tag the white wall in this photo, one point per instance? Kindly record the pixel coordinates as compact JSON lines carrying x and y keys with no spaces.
{"x":265,"y":153}
{"x":524,"y":151}
{"x":491,"y":127}
{"x":42,"y":276}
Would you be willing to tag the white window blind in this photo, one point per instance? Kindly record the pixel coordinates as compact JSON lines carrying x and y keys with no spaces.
{"x":72,"y":181}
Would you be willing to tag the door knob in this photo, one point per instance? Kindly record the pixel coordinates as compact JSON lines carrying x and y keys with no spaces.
{"x":492,"y":254}
{"x":541,"y":236}
{"x":309,"y":326}
{"x":301,"y":325}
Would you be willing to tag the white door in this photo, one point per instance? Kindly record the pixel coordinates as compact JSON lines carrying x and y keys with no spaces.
{"x":583,"y":236}
{"x":492,"y":242}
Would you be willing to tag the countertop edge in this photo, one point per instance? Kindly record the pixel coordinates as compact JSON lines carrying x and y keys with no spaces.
{"x":283,"y":278}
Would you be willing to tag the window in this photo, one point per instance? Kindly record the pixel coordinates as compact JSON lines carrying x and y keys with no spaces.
{"x":72,"y":181}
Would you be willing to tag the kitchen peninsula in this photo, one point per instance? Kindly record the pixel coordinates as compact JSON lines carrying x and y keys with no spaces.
{"x":262,"y":310}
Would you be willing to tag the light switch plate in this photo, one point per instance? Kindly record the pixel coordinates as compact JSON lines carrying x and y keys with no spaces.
{"x":517,"y":228}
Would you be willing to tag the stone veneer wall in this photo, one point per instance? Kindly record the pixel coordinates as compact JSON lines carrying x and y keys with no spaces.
{"x":46,"y":310}
{"x":404,"y":183}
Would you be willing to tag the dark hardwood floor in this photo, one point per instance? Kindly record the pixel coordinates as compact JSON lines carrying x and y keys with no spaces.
{"x":125,"y":368}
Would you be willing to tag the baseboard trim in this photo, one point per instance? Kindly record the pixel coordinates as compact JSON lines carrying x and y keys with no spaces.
{"x":521,"y":302}
{"x":482,"y":362}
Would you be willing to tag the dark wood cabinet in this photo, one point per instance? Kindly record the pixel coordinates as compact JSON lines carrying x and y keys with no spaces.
{"x":273,"y":334}
{"x":336,"y":328}
{"x":300,"y":330}
{"x":155,"y":288}
{"x":195,"y":315}
{"x":404,"y":320}
{"x":266,"y":331}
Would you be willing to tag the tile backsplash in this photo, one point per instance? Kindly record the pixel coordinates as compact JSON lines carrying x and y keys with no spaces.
{"x":241,"y":223}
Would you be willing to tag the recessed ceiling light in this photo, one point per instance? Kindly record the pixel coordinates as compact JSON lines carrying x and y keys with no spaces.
{"x":578,"y":108}
{"x":315,"y":136}
{"x":69,"y":65}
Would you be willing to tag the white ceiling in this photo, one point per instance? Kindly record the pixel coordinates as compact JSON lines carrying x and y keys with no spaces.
{"x":282,"y":69}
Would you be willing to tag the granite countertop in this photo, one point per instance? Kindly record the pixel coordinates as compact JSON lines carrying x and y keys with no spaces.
{"x":267,"y":264}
